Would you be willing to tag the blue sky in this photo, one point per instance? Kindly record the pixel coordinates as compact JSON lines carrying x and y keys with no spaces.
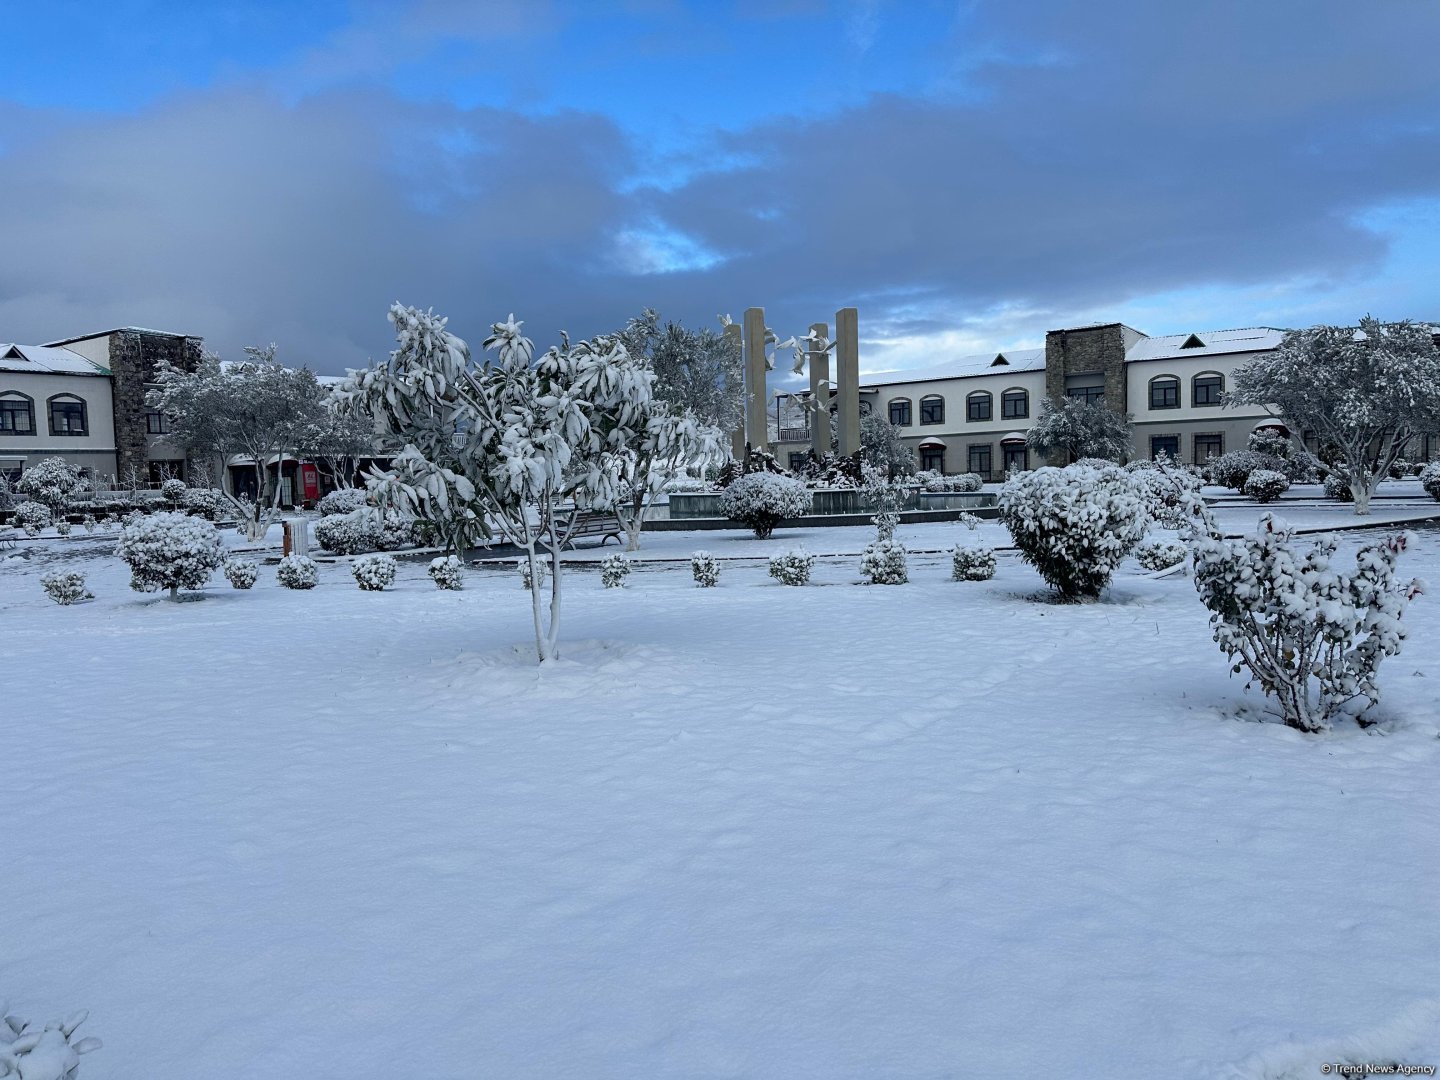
{"x":967,"y":174}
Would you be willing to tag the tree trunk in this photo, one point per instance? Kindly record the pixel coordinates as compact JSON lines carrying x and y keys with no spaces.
{"x":554,"y":630}
{"x":175,"y":592}
{"x":542,"y":651}
{"x":1360,"y":489}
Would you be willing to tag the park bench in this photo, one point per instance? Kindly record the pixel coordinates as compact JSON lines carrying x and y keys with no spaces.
{"x":601,"y":523}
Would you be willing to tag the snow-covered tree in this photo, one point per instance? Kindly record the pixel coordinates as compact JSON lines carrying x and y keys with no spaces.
{"x":883,"y":448}
{"x":664,"y":445}
{"x":510,"y":445}
{"x":1078,"y":429}
{"x":1366,"y":392}
{"x":7,"y":493}
{"x":170,"y":551}
{"x":53,"y":482}
{"x":1075,"y":524}
{"x":761,"y":500}
{"x":49,"y":1052}
{"x":1311,"y":636}
{"x":173,"y":491}
{"x":696,"y":371}
{"x":258,"y":409}
{"x":336,"y":441}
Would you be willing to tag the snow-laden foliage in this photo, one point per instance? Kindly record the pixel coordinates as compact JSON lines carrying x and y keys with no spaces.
{"x":7,"y":493}
{"x":969,"y":520}
{"x":792,"y":568}
{"x":531,"y":581}
{"x":173,"y":491}
{"x":170,"y":551}
{"x":705,"y":569}
{"x":88,"y":523}
{"x":1172,"y":491}
{"x":833,"y":471}
{"x":52,"y":482}
{"x":374,"y":572}
{"x":1269,"y":440}
{"x":972,"y":563}
{"x":1430,"y":479}
{"x":1233,"y":469}
{"x":1366,"y":391}
{"x":343,"y":501}
{"x":64,"y":587}
{"x":297,"y":572}
{"x":447,"y":573}
{"x":686,"y":485}
{"x":1160,"y":554}
{"x":1311,"y":636}
{"x":203,"y":502}
{"x":1080,"y":430}
{"x":695,"y":370}
{"x":241,"y":573}
{"x":1075,"y":524}
{"x":883,"y":563}
{"x":49,"y":1052}
{"x":930,"y":480}
{"x":1266,"y":485}
{"x":882,"y":447}
{"x":351,"y":533}
{"x":761,"y":500}
{"x":614,"y":569}
{"x":62,"y":527}
{"x":396,"y":530}
{"x":886,"y":523}
{"x":1337,"y":486}
{"x":514,"y":443}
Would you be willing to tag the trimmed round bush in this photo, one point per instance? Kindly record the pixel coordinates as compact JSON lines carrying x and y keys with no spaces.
{"x":792,"y":568}
{"x":241,"y":573}
{"x":65,"y":588}
{"x":169,"y":551}
{"x":173,"y":491}
{"x":374,"y":572}
{"x":705,"y":569}
{"x":447,"y":573}
{"x":297,"y":572}
{"x":343,"y":501}
{"x":1233,"y":469}
{"x":396,"y":531}
{"x":32,"y":516}
{"x":761,"y":500}
{"x":353,"y":533}
{"x":1075,"y":524}
{"x":972,"y":563}
{"x":62,"y":527}
{"x":1430,"y":479}
{"x":1337,"y":485}
{"x":883,"y":563}
{"x":203,"y":502}
{"x":1160,"y":554}
{"x":53,"y":482}
{"x":614,"y":569}
{"x":1266,"y":485}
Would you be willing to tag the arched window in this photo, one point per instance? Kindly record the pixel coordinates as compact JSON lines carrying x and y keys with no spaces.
{"x":1015,"y":404}
{"x":17,"y":413}
{"x":68,"y":415}
{"x":1207,"y":389}
{"x":900,"y":412}
{"x":979,"y":406}
{"x":932,"y":409}
{"x":1165,"y":392}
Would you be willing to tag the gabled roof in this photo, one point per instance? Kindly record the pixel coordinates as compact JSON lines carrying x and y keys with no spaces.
{"x":118,"y":330}
{"x":47,"y":360}
{"x":1205,"y":343}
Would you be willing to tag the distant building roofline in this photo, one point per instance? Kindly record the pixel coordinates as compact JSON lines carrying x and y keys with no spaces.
{"x":120,"y":330}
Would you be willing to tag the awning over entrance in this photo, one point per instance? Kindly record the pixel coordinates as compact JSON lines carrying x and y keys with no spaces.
{"x":1013,"y":437}
{"x":932,"y":442}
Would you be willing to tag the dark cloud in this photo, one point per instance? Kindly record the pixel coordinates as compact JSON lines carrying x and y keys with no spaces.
{"x":1070,"y":157}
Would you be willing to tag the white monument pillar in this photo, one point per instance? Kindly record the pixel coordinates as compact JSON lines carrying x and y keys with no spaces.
{"x":734,"y":342}
{"x":847,"y":379}
{"x":756,"y":426}
{"x":819,"y":363}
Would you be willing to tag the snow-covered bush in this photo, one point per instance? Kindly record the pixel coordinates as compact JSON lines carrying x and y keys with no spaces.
{"x":614,"y":569}
{"x":761,"y":500}
{"x":930,"y":480}
{"x":53,"y":482}
{"x":169,"y":551}
{"x":705,"y":569}
{"x":1233,"y":469}
{"x":1266,"y":485}
{"x":1337,"y":485}
{"x":1160,"y":554}
{"x":1311,"y":636}
{"x":972,"y":563}
{"x":687,"y":485}
{"x":241,"y":573}
{"x":31,"y":1052}
{"x":395,"y":530}
{"x":885,"y":525}
{"x":297,"y":572}
{"x":1075,"y":524}
{"x":173,"y":491}
{"x":203,"y":502}
{"x":1399,"y":469}
{"x":525,"y":579}
{"x":342,"y":501}
{"x":65,"y":588}
{"x":969,"y":520}
{"x":373,"y":572}
{"x":883,"y":562}
{"x":352,"y":533}
{"x":88,"y":523}
{"x":32,"y":516}
{"x":62,"y":527}
{"x":1430,"y":479}
{"x":792,"y":568}
{"x":1172,"y":492}
{"x":447,"y":572}
{"x":7,"y":493}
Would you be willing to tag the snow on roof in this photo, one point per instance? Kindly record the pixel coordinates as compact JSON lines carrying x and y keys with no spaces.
{"x":1205,"y":343}
{"x":963,"y":367}
{"x":117,"y":330}
{"x":47,"y":360}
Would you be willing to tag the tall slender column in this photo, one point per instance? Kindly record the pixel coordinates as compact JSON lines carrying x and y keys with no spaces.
{"x":756,"y":427}
{"x":819,"y":363}
{"x":736,"y":344}
{"x":847,"y":378}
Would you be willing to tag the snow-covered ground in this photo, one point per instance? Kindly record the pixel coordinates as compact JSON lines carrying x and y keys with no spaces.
{"x":931,"y":830}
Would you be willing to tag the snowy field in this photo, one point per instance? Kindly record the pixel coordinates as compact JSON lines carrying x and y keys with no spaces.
{"x":921,"y":831}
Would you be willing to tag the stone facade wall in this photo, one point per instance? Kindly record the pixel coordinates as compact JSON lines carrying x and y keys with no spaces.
{"x":1086,"y":349}
{"x":134,"y":357}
